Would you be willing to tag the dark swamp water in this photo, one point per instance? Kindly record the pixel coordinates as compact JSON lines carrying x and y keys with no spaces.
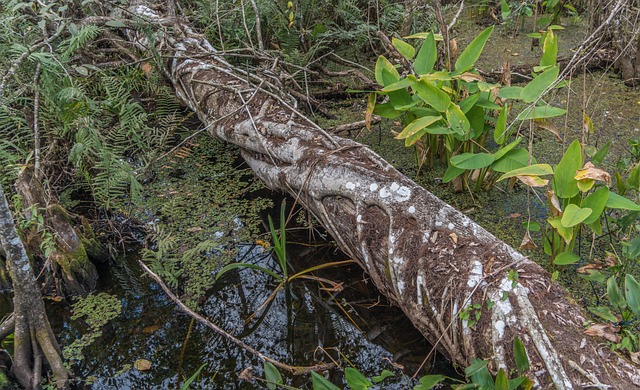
{"x":354,"y":327}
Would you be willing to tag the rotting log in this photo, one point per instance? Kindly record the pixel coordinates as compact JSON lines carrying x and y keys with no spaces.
{"x":425,"y":256}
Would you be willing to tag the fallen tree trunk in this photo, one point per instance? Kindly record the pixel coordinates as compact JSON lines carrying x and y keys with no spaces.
{"x":428,"y":258}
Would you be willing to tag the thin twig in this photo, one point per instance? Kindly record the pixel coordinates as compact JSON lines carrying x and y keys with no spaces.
{"x":295,"y":370}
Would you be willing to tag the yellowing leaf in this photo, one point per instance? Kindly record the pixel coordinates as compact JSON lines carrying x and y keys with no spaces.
{"x":527,"y":242}
{"x":589,"y":171}
{"x":533,"y":181}
{"x":469,"y":77}
{"x":417,"y":125}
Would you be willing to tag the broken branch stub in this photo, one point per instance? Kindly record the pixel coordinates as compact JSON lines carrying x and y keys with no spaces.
{"x":428,"y":258}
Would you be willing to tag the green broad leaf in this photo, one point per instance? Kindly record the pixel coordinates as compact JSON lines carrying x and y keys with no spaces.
{"x":549,"y":49}
{"x":574,"y":215}
{"x":385,"y":72}
{"x":401,"y":99}
{"x":501,"y":152}
{"x":405,"y":49}
{"x":470,"y":101}
{"x":386,"y":110}
{"x":596,"y":227}
{"x":231,"y":266}
{"x":457,"y":120}
{"x":472,"y":52}
{"x":520,"y":355}
{"x":500,"y":131}
{"x":512,"y":160}
{"x":510,"y":93}
{"x":541,"y":112}
{"x":432,"y":95}
{"x":356,"y":380}
{"x":596,"y":201}
{"x":401,"y":84}
{"x":502,"y":382}
{"x":536,"y":87}
{"x":115,"y":23}
{"x":429,"y":381}
{"x":433,"y":129}
{"x":604,"y":313}
{"x":564,"y":232}
{"x":564,"y":183}
{"x":272,"y":375}
{"x":505,"y":10}
{"x":423,"y":111}
{"x":427,"y":56}
{"x":451,"y":173}
{"x":516,"y":382}
{"x":633,"y":180}
{"x":593,"y":276}
{"x":383,"y":375}
{"x":616,"y":201}
{"x":566,"y":258}
{"x":476,"y":366}
{"x":472,"y":160}
{"x":487,"y":103}
{"x":615,"y":294}
{"x":632,"y":293}
{"x":531,"y":226}
{"x":320,"y":383}
{"x":632,"y":248}
{"x":417,"y":125}
{"x":531,"y":170}
{"x":476,"y":119}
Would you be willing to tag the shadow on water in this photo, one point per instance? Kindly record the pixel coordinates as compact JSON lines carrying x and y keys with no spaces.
{"x":303,"y":325}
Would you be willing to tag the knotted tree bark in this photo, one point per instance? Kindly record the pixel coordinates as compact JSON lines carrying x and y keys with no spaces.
{"x":424,"y":255}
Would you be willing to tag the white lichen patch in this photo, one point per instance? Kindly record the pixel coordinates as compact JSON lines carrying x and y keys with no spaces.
{"x":359,"y":218}
{"x":450,"y":226}
{"x":500,"y":327}
{"x":373,"y":187}
{"x":411,"y":210}
{"x":395,"y":190}
{"x":475,"y":274}
{"x":350,"y":186}
{"x":419,"y":281}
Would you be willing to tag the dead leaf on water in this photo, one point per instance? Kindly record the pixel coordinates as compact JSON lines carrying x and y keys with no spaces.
{"x":194,"y":229}
{"x":527,"y":242}
{"x":142,"y":365}
{"x":150,"y":329}
{"x":606,"y":331}
{"x":247,"y":374}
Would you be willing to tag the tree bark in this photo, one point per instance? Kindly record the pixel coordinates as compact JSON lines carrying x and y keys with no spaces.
{"x":428,"y":258}
{"x":33,"y":337}
{"x":74,"y":273}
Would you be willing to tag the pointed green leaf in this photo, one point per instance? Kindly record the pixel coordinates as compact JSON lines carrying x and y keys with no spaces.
{"x":520,"y":355}
{"x":432,"y":95}
{"x":385,"y":72}
{"x":383,"y":375}
{"x":400,"y":84}
{"x":417,"y":125}
{"x":472,"y":52}
{"x":564,"y":183}
{"x":573,"y":215}
{"x":632,"y":293}
{"x":476,"y":366}
{"x":531,"y":170}
{"x":566,"y":258}
{"x":500,"y":131}
{"x":549,"y":49}
{"x":603,"y":312}
{"x":320,"y":383}
{"x":564,"y":232}
{"x":457,"y":120}
{"x":427,"y":56}
{"x":472,"y":160}
{"x":615,"y":295}
{"x":501,"y":152}
{"x":451,"y":173}
{"x":505,"y":10}
{"x":616,"y":201}
{"x":468,"y":102}
{"x":405,"y":49}
{"x":512,"y":160}
{"x":596,"y":201}
{"x":356,"y":380}
{"x":272,"y":375}
{"x":534,"y":90}
{"x":429,"y":381}
{"x":502,"y":382}
{"x":541,"y":112}
{"x":510,"y":92}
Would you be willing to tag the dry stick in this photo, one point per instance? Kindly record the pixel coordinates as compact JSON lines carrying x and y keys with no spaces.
{"x":6,"y":328}
{"x":218,"y":23}
{"x":455,"y":18}
{"x":258,"y":25}
{"x":36,"y":130}
{"x":244,"y":24}
{"x":295,"y":370}
{"x":353,"y":126}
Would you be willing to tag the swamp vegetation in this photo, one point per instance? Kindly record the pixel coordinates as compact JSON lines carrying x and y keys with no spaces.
{"x":110,"y":178}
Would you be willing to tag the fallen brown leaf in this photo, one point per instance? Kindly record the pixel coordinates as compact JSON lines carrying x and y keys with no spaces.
{"x":606,"y":331}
